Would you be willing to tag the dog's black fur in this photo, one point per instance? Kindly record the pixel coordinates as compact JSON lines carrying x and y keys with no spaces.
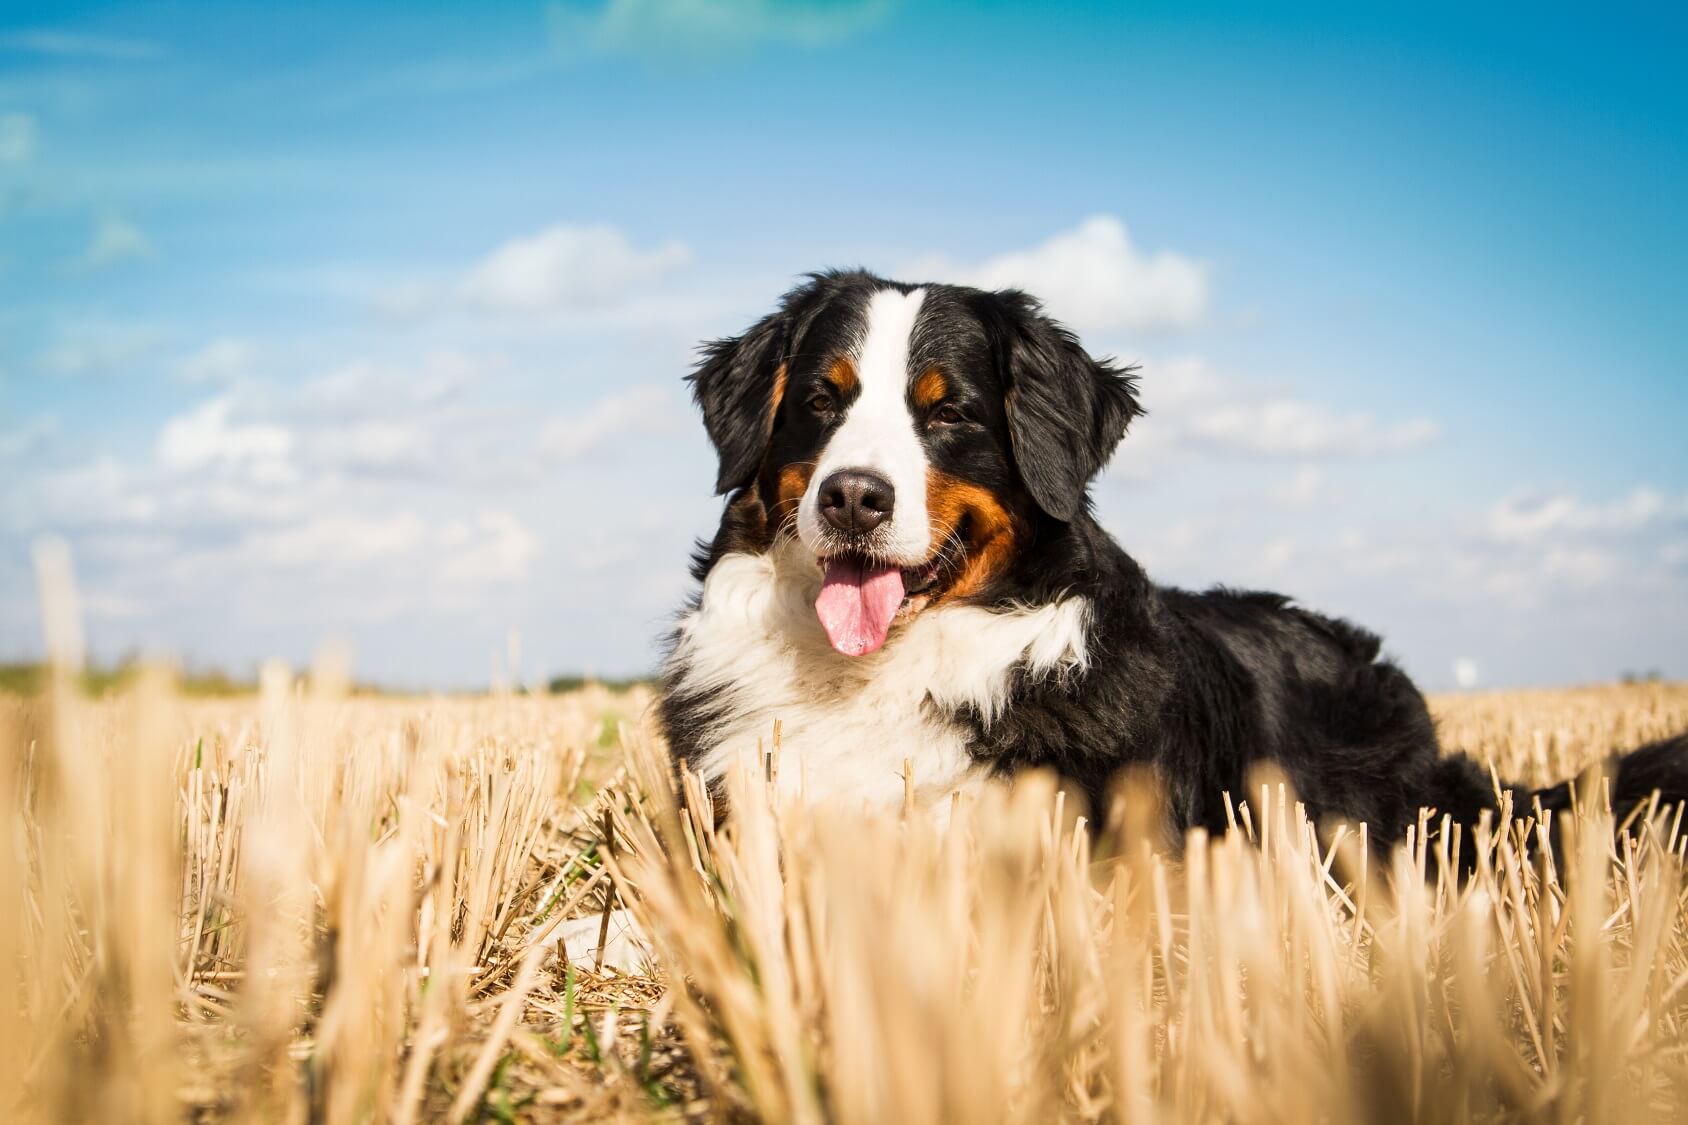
{"x":1200,"y":688}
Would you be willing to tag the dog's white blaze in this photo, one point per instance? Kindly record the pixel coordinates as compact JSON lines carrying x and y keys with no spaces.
{"x":879,"y":433}
{"x":849,"y":722}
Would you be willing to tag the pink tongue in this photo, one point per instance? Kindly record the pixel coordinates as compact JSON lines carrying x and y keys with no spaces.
{"x":857,"y":603}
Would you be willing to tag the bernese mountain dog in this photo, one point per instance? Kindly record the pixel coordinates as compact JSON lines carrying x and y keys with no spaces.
{"x":908,"y":577}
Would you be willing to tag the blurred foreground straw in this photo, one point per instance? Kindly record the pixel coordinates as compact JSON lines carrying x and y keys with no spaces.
{"x":307,"y":906}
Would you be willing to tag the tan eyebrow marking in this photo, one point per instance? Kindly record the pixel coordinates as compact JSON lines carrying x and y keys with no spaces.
{"x":930,"y":389}
{"x":842,"y":375}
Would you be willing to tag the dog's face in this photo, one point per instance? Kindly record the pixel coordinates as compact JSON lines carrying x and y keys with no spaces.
{"x":913,"y":438}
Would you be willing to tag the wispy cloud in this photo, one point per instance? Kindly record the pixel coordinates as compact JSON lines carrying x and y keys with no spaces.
{"x":115,"y":239}
{"x":702,"y":29}
{"x":565,"y":275}
{"x":222,"y":360}
{"x":1301,"y":489}
{"x":567,"y":267}
{"x":351,"y":498}
{"x":23,"y":440}
{"x":642,"y":410}
{"x":1530,"y":519}
{"x":17,"y":138}
{"x":1094,"y":277}
{"x":1526,"y":554}
{"x":98,"y":347}
{"x":495,"y":548}
{"x":1195,"y":410}
{"x":1294,"y":428}
{"x":338,"y":540}
{"x":206,"y":435}
{"x":1440,"y":584}
{"x":73,"y":45}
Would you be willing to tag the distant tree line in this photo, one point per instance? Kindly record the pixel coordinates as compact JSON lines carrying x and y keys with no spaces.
{"x":559,"y":685}
{"x":29,"y":678}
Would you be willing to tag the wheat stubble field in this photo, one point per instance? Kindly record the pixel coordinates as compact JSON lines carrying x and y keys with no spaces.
{"x":306,"y":905}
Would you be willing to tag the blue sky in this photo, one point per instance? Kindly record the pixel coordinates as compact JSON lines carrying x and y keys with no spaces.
{"x":367,"y":322}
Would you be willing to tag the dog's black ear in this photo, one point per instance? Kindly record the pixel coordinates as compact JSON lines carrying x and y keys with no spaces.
{"x":737,"y":384}
{"x":1066,"y":410}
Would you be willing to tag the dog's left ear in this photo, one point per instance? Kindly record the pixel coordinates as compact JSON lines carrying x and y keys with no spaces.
{"x":737,"y":386}
{"x":1066,"y":410}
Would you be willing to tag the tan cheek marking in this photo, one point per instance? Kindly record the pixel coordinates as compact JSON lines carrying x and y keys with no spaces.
{"x":993,"y":531}
{"x":842,"y":376}
{"x":790,"y":484}
{"x":930,"y":389}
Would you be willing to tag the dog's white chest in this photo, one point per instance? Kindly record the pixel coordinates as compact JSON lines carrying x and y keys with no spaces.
{"x":852,"y":725}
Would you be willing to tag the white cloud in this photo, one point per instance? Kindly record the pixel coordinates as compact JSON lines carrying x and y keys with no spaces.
{"x":410,"y":424}
{"x":408,"y":299}
{"x":1563,"y":606}
{"x":1277,"y":554}
{"x":1533,"y":550}
{"x":567,"y":268}
{"x":17,"y":138}
{"x":1530,"y":553}
{"x":367,"y":389}
{"x":496,"y":548}
{"x":1289,"y":427}
{"x":701,"y":28}
{"x":1094,"y":277}
{"x":1370,"y":555}
{"x":103,"y":491}
{"x":115,"y":239}
{"x":1530,"y":519}
{"x":374,"y":443}
{"x":1193,"y":410}
{"x":587,"y":280}
{"x":639,"y":410}
{"x":206,"y":435}
{"x":337,"y":540}
{"x":379,"y":502}
{"x":1301,"y":489}
{"x":407,"y":421}
{"x":1579,"y":565}
{"x":222,"y":360}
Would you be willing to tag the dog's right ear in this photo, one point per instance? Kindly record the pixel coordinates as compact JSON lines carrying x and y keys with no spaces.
{"x":738,"y":384}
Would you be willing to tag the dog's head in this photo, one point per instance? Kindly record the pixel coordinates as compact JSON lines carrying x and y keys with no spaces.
{"x":912,"y":437}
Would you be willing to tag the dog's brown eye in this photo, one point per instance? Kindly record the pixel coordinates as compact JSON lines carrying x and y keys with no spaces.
{"x":820,"y":403}
{"x":946,"y":415}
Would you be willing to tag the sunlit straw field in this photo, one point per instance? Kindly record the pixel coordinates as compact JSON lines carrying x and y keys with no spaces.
{"x":305,"y":905}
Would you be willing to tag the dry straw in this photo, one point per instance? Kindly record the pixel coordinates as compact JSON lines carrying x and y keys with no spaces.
{"x":313,"y":906}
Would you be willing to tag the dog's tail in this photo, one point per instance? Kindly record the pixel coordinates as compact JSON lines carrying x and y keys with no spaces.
{"x":1463,"y":789}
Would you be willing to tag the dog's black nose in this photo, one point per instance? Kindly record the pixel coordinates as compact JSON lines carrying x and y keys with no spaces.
{"x":855,"y":501}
